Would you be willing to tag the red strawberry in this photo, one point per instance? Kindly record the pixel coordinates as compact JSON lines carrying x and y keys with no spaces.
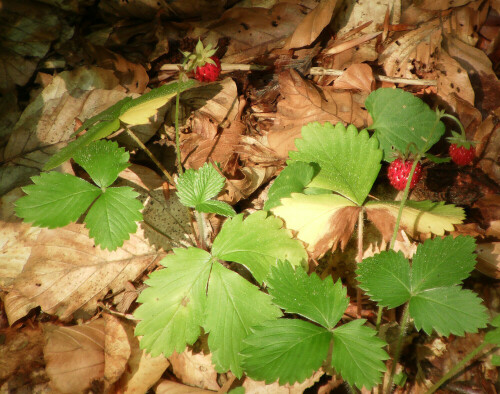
{"x":461,"y":151}
{"x":208,"y":72}
{"x":399,"y":171}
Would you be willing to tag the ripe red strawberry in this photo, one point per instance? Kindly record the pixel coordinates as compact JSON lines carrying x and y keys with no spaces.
{"x":399,"y":172}
{"x":208,"y":72}
{"x":462,"y":155}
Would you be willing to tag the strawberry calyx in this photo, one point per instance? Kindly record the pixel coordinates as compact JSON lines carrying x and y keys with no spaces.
{"x":201,"y":56}
{"x":460,"y":140}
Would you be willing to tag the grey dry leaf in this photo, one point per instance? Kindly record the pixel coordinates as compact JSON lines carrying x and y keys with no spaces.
{"x":66,"y":272}
{"x":74,"y":356}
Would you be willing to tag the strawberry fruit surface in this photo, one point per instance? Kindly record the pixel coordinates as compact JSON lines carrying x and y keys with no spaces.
{"x":208,"y":72}
{"x":399,"y":171}
{"x":462,"y":155}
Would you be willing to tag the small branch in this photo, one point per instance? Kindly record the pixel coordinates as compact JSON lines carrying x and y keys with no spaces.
{"x":151,"y":156}
{"x":382,"y":78}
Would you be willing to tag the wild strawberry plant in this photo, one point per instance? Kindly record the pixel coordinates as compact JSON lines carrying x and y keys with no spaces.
{"x":321,"y":194}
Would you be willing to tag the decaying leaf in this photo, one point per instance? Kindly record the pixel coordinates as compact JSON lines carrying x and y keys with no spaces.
{"x":195,"y":369}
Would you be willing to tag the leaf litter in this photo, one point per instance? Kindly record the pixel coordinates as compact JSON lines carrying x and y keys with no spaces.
{"x":54,"y":283}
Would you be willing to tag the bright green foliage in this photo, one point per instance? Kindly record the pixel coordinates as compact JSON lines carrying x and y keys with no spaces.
{"x":402,"y":121}
{"x":174,"y":306}
{"x":257,"y":242}
{"x":127,"y":110}
{"x":195,"y":188}
{"x":358,"y":354}
{"x":55,"y":199}
{"x":349,"y":161}
{"x":285,"y":349}
{"x":197,"y":290}
{"x":103,"y":162}
{"x":293,"y":179}
{"x":292,"y":349}
{"x":113,"y":216}
{"x":430,"y":285}
{"x":493,"y":336}
{"x":234,"y":306}
{"x":308,"y":296}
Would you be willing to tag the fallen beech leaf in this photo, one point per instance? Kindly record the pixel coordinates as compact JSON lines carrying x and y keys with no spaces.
{"x":75,"y":356}
{"x":195,"y":369}
{"x":303,"y":103}
{"x":312,"y":25}
{"x":488,"y":259}
{"x":358,"y":77}
{"x":65,"y":272}
{"x":440,"y":4}
{"x":170,"y":387}
{"x":488,"y":149}
{"x":255,"y":387}
{"x":116,"y":349}
{"x":253,"y":178}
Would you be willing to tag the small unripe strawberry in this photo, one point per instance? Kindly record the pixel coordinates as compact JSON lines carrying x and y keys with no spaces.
{"x":399,"y":171}
{"x":461,"y":155}
{"x":208,"y":72}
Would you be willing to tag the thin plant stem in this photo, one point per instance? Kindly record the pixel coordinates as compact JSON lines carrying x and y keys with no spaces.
{"x":457,"y":367}
{"x":405,"y":320}
{"x":359,"y":257}
{"x":200,"y":220}
{"x":379,"y":317}
{"x":177,"y":137}
{"x":151,"y":156}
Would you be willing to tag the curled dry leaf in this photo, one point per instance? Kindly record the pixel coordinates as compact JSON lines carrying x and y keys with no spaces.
{"x":488,"y":149}
{"x":304,"y":102}
{"x":66,"y":272}
{"x":488,"y":259}
{"x":74,"y":356}
{"x":195,"y":369}
{"x":254,"y":31}
{"x":255,"y":387}
{"x":357,"y":77}
{"x":253,"y":178}
{"x":312,"y":25}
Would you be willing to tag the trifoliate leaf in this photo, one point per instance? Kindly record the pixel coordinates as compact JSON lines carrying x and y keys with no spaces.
{"x":442,"y":262}
{"x":96,"y":132}
{"x":257,"y":242}
{"x":418,"y":217}
{"x":195,"y":188}
{"x":358,"y":355}
{"x":386,"y":278}
{"x":140,"y":109}
{"x":103,"y":160}
{"x":55,"y":199}
{"x":293,"y":179}
{"x":285,"y":349}
{"x":234,"y":306}
{"x":349,"y":161}
{"x":321,"y":221}
{"x":319,"y":300}
{"x":402,"y":121}
{"x":448,"y":310}
{"x":112,"y":218}
{"x":174,"y":306}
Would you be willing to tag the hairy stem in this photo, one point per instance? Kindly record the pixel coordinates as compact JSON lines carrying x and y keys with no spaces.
{"x":200,"y":220}
{"x":151,"y":156}
{"x":177,"y":137}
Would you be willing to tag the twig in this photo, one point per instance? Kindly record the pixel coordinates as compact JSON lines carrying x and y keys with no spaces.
{"x":382,"y":78}
{"x":224,"y":67}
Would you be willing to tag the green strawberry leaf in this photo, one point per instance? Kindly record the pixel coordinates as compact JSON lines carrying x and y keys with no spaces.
{"x":257,"y":242}
{"x":285,"y":349}
{"x":402,"y":121}
{"x":358,"y":355}
{"x":448,"y":310}
{"x":234,"y":306}
{"x":96,"y":132}
{"x":418,"y":217}
{"x":493,"y":336}
{"x":442,"y":262}
{"x":195,"y":189}
{"x":321,"y":220}
{"x":386,"y":278}
{"x":293,"y":179}
{"x":103,"y":160}
{"x":349,"y":161}
{"x":319,"y":300}
{"x":112,"y":218}
{"x":174,"y":305}
{"x":55,"y":199}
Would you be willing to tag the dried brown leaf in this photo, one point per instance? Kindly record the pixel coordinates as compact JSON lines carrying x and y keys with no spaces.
{"x":74,"y":356}
{"x":312,"y":25}
{"x":170,"y":387}
{"x":116,"y":349}
{"x":440,"y":5}
{"x":488,"y":259}
{"x":66,"y":272}
{"x":488,"y":148}
{"x":256,"y":387}
{"x":357,"y":77}
{"x":195,"y":369}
